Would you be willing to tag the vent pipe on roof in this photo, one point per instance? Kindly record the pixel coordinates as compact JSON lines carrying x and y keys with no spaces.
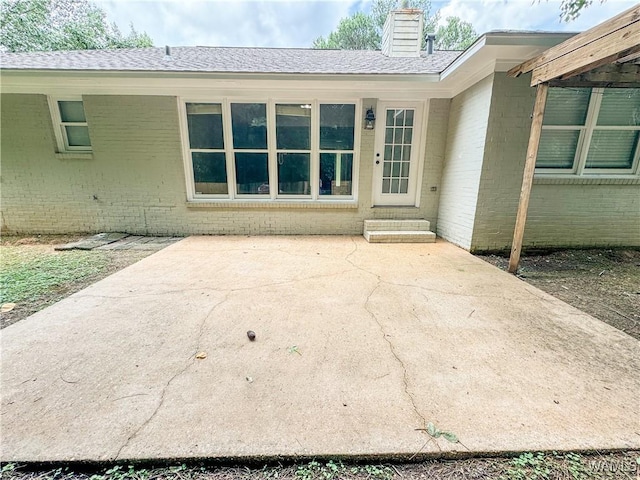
{"x":167,"y":50}
{"x":431,"y":38}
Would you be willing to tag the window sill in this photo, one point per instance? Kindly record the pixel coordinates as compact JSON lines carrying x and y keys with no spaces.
{"x":586,"y":180}
{"x":270,"y":204}
{"x":74,"y":156}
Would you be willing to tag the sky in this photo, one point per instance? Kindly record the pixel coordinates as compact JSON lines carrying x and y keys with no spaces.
{"x":296,"y":23}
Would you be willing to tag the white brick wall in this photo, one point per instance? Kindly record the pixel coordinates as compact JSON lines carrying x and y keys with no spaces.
{"x":468,"y":121}
{"x":562,"y":212}
{"x":137,"y":176}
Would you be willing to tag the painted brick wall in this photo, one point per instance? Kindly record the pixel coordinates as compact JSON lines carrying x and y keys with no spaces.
{"x":468,"y":120}
{"x":563,"y":211}
{"x":137,"y":177}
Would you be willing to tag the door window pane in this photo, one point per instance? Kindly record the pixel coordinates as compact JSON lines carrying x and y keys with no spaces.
{"x":566,"y":106}
{"x":557,"y":148}
{"x":294,"y":173}
{"x":205,"y":125}
{"x":337,"y":126}
{"x":612,"y":149}
{"x":72,"y":111}
{"x":252,"y":173}
{"x":293,"y":127}
{"x":336,"y":173}
{"x":209,"y":172}
{"x":78,"y":136}
{"x":249,"y":125}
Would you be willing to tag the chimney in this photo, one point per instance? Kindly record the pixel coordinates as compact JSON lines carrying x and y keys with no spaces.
{"x":402,"y":33}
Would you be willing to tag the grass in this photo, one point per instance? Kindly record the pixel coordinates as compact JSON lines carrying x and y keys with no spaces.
{"x":27,"y":274}
{"x":527,"y":466}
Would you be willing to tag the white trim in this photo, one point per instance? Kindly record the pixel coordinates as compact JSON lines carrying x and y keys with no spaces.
{"x":59,"y":129}
{"x":272,"y":151}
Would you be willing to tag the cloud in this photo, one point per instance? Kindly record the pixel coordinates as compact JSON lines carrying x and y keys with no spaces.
{"x":265,"y":23}
{"x":296,"y":23}
{"x":486,"y":15}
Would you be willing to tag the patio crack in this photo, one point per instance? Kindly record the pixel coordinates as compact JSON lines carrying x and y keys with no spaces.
{"x":171,"y":380}
{"x":392,"y":349}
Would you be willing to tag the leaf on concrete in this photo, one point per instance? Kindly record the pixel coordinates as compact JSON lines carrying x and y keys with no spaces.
{"x":201,"y":355}
{"x":450,"y":436}
{"x":431,"y":429}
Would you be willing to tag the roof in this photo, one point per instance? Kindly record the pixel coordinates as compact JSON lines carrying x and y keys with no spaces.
{"x":230,"y":60}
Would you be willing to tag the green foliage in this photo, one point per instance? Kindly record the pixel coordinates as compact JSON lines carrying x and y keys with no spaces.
{"x":28,"y":274}
{"x":363,"y":31}
{"x":45,"y":25}
{"x":335,"y":470}
{"x":529,"y":466}
{"x":456,"y":34}
{"x":356,"y":32}
{"x":571,"y":9}
{"x":435,"y":433}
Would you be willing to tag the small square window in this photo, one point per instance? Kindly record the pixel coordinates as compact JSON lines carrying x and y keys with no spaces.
{"x":72,"y":130}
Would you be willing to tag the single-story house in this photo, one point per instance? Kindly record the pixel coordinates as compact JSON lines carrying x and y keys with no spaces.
{"x":212,"y":140}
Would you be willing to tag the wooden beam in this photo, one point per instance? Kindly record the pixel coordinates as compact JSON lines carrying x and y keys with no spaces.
{"x":602,"y":51}
{"x":527,"y":178}
{"x":613,"y":75}
{"x":625,"y":19}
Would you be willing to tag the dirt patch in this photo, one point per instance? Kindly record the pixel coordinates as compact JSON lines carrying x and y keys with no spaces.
{"x":603,"y":283}
{"x":42,"y":246}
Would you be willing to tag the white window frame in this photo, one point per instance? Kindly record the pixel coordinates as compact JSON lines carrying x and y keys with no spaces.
{"x":273,"y":196}
{"x":59,"y":126}
{"x":579,"y":168}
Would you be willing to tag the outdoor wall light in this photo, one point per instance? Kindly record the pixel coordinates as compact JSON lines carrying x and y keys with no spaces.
{"x":369,"y":119}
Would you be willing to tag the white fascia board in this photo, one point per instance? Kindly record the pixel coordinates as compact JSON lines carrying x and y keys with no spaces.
{"x":496,"y":52}
{"x":189,"y":84}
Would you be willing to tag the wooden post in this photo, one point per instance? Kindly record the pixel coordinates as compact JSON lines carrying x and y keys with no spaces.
{"x":527,"y":178}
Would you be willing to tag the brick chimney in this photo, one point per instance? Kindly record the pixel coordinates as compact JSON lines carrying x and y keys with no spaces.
{"x":402,"y":33}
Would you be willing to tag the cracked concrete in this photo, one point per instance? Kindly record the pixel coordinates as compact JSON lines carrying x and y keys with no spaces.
{"x":387,"y":338}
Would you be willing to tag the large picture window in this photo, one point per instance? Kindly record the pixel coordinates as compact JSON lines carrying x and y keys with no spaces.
{"x":590,"y":131}
{"x":271,"y":150}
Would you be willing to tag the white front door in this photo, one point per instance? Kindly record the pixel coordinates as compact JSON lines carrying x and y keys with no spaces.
{"x":396,"y":155}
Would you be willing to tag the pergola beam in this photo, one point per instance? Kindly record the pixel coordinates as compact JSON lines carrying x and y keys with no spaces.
{"x":614,"y":75}
{"x":585,"y":49}
{"x":527,"y":179}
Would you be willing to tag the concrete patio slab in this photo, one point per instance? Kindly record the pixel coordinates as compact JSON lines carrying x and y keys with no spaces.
{"x":358,"y":347}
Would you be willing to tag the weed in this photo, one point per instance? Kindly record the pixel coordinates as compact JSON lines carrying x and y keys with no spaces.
{"x":334,"y":470}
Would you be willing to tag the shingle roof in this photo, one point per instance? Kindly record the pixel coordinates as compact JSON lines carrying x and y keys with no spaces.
{"x":230,"y":59}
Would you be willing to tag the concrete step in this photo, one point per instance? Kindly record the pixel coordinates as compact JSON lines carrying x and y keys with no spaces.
{"x":396,"y":225}
{"x":399,"y":236}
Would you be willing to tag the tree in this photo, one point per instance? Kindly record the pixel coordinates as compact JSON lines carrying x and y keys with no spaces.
{"x":456,"y":34}
{"x":357,"y":32}
{"x":571,"y":9}
{"x":363,"y":31}
{"x":42,"y":25}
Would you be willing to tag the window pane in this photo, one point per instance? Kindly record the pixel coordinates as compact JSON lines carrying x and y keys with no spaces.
{"x":336,"y":173}
{"x":78,"y":136}
{"x":408,"y":121}
{"x":612,"y":149}
{"x":209,"y":172}
{"x":294,"y":173}
{"x":337,"y":126}
{"x":567,"y":106}
{"x":249,"y":125}
{"x":620,"y":106}
{"x":205,"y":125}
{"x":72,"y":111}
{"x":252,"y":173}
{"x":557,"y":148}
{"x":293,"y":127}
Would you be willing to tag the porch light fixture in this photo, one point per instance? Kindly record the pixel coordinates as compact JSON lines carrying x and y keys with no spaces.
{"x":369,"y":119}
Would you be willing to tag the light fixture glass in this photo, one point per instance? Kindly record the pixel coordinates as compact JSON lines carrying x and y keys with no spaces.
{"x":369,"y":119}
